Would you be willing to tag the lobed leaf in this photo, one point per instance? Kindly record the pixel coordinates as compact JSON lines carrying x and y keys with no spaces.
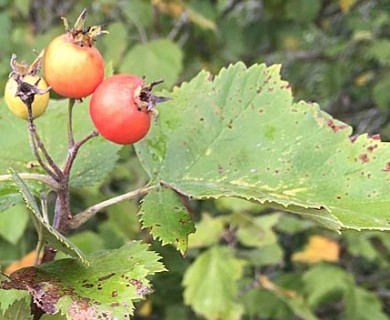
{"x":242,"y":135}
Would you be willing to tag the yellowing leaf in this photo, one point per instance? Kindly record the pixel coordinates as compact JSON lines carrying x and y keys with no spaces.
{"x":318,"y":249}
{"x":364,"y":78}
{"x":290,"y":42}
{"x":345,"y":5}
{"x":26,"y":261}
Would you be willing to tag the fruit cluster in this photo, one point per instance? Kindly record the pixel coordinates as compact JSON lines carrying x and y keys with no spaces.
{"x":121,"y":106}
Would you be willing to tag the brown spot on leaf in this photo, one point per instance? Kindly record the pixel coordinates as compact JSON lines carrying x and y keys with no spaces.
{"x":87,"y":285}
{"x":114,"y":294}
{"x":372,"y":148}
{"x":364,"y":158}
{"x":106,"y":277}
{"x":221,"y":170}
{"x":387,"y":167}
{"x":336,"y":127}
{"x":376,"y":137}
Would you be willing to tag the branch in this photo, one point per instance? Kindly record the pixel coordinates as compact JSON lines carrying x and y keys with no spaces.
{"x":88,"y":213}
{"x":49,"y":181}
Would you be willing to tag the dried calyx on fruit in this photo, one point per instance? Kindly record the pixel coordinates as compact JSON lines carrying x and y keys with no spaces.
{"x":81,"y":35}
{"x":149,"y":100}
{"x":26,"y":93}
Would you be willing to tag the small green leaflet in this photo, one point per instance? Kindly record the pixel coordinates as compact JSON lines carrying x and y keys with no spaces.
{"x":167,"y":218}
{"x":211,"y":284}
{"x":241,"y":134}
{"x":106,"y":289}
{"x":51,"y":237}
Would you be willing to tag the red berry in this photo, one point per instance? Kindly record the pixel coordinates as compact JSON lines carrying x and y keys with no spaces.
{"x":117,"y":110}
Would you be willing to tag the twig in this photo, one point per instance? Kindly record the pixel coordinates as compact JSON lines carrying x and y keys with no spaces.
{"x":73,"y":150}
{"x":88,"y":213}
{"x":70,"y":123}
{"x":36,"y":144}
{"x":49,"y":181}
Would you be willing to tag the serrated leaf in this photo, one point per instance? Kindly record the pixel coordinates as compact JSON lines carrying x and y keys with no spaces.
{"x":211,"y":284}
{"x":167,"y":217}
{"x":242,"y":135}
{"x":107,"y":288}
{"x":50,"y":236}
{"x":161,"y":59}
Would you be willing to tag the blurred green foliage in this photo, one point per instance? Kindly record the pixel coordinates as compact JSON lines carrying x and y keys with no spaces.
{"x":334,"y":52}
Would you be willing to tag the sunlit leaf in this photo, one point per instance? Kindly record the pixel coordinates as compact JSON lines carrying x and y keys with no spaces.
{"x":318,"y":249}
{"x":242,"y":135}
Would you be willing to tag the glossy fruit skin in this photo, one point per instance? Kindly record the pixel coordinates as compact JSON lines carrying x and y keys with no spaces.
{"x":114,"y":109}
{"x":71,"y":70}
{"x":16,"y":105}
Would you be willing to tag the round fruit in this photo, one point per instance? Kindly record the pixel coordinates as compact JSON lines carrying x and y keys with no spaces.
{"x":117,"y":110}
{"x":72,"y":68}
{"x":16,"y":105}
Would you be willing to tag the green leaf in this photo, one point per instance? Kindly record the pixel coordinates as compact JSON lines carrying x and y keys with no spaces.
{"x":8,"y":297}
{"x":161,"y":59}
{"x":263,"y":256}
{"x":379,"y":50}
{"x":13,"y":222}
{"x":208,"y":231}
{"x":167,"y":217}
{"x":303,"y":10}
{"x":363,"y":305}
{"x":257,"y":231}
{"x":18,"y":310}
{"x":211,"y":284}
{"x":108,"y":287}
{"x":50,"y":236}
{"x":359,"y":245}
{"x":381,"y":93}
{"x":242,"y":135}
{"x":325,"y":282}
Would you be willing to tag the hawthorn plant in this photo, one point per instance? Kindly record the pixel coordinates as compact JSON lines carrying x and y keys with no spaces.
{"x":236,"y":134}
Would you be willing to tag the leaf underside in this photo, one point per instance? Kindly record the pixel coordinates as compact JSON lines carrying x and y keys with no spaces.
{"x":240,"y":134}
{"x":51,"y":237}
